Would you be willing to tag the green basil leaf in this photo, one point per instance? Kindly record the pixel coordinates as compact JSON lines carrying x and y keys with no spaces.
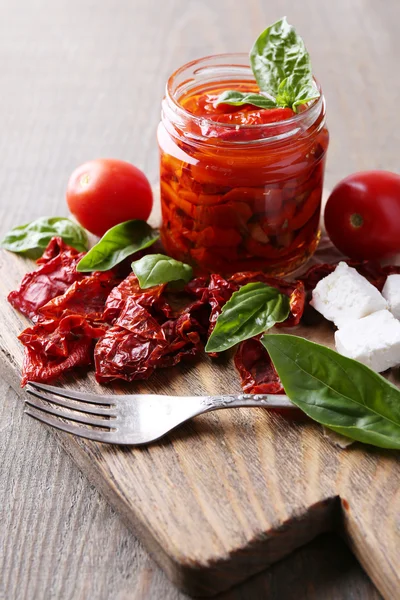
{"x":252,"y":310}
{"x":288,"y":96}
{"x":118,"y":243}
{"x":282,"y":66}
{"x":338,"y":392}
{"x":154,"y":269}
{"x":32,"y":238}
{"x":238,"y":98}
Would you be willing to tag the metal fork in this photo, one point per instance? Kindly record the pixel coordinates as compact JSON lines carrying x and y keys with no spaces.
{"x":131,"y":419}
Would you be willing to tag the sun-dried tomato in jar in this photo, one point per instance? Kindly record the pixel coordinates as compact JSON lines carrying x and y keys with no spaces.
{"x":240,"y":186}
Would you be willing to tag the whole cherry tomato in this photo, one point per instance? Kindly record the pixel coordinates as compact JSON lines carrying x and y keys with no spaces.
{"x":362,"y":215}
{"x":104,"y":192}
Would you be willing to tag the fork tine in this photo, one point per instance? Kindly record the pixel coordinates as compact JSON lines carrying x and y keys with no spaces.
{"x":73,"y":416}
{"x":90,"y":434}
{"x":92,"y":398}
{"x":71,"y":405}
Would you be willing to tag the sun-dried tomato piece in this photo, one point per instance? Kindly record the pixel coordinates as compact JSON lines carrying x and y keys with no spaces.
{"x":391,"y":270}
{"x":56,"y":345}
{"x":57,"y":271}
{"x":42,"y":368}
{"x":183,"y":341}
{"x":197,"y":287}
{"x":137,"y":319}
{"x":316,"y":273}
{"x":373,"y":271}
{"x":187,"y":334}
{"x":121,"y":354}
{"x":257,"y":372}
{"x":130,"y":288}
{"x":55,"y":247}
{"x":220,"y":291}
{"x":138,"y":343}
{"x":85,"y":297}
{"x":297,"y":305}
{"x":130,"y":348}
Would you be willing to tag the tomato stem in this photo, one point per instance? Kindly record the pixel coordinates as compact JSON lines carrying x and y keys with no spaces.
{"x":356,"y":220}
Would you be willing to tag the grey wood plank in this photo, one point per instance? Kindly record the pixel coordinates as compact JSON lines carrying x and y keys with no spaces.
{"x":82,"y":79}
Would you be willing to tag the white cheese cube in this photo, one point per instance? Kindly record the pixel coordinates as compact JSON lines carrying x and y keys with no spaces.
{"x":373,"y":340}
{"x":391,"y":292}
{"x":345,"y":295}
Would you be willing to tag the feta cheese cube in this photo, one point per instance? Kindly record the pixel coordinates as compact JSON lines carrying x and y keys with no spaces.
{"x":391,"y":292}
{"x":345,"y":295}
{"x":373,"y":340}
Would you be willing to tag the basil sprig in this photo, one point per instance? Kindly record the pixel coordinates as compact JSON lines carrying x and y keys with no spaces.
{"x":32,"y":238}
{"x":118,"y":243}
{"x":252,"y":310}
{"x":282,"y":68}
{"x":154,"y":269}
{"x":338,"y":392}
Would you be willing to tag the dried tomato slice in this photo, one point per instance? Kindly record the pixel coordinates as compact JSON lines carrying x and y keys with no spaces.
{"x":130,"y":288}
{"x":257,"y":372}
{"x":297,"y":305}
{"x":220,"y":291}
{"x":187,"y":334}
{"x":316,"y":273}
{"x":57,"y":271}
{"x":85,"y":297}
{"x":56,"y":345}
{"x":138,"y":342}
{"x":197,"y":287}
{"x":41,"y":367}
{"x":55,"y":247}
{"x":374,"y":272}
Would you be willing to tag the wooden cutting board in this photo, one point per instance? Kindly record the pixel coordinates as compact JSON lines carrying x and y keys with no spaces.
{"x":231,"y":492}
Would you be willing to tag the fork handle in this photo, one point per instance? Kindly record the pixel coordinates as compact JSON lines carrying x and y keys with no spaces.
{"x":273,"y":401}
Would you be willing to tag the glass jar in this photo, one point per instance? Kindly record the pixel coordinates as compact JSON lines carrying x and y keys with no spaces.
{"x":237,"y":197}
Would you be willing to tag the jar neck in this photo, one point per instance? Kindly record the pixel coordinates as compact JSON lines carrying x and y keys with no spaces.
{"x":206,"y":73}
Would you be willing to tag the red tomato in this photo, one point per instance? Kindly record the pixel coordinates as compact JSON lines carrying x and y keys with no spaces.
{"x":362,"y":215}
{"x":102,"y":193}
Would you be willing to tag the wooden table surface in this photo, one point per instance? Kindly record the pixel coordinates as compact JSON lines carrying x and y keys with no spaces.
{"x":82,"y":79}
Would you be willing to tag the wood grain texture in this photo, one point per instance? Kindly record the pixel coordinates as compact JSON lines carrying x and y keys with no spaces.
{"x":70,"y":77}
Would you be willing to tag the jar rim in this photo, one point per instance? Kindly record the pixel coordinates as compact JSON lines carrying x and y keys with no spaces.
{"x":314,"y":108}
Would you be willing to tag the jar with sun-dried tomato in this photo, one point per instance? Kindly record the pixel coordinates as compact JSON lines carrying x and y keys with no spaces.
{"x":241,"y":186}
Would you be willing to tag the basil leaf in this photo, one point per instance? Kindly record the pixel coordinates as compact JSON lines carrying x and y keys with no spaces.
{"x":338,"y":392}
{"x":118,"y":243}
{"x":293,"y":97}
{"x":252,"y":310}
{"x":154,"y":269}
{"x":282,"y":66}
{"x":238,"y":98}
{"x":32,"y":238}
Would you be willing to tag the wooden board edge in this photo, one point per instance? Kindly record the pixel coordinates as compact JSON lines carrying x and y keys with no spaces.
{"x":363,"y":542}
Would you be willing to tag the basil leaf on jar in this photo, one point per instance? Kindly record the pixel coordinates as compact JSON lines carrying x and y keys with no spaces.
{"x":118,"y":243}
{"x":338,"y":392}
{"x":288,"y":96}
{"x":282,"y":66}
{"x":238,"y":98}
{"x":155,"y":269}
{"x":32,"y":238}
{"x":250,"y":311}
